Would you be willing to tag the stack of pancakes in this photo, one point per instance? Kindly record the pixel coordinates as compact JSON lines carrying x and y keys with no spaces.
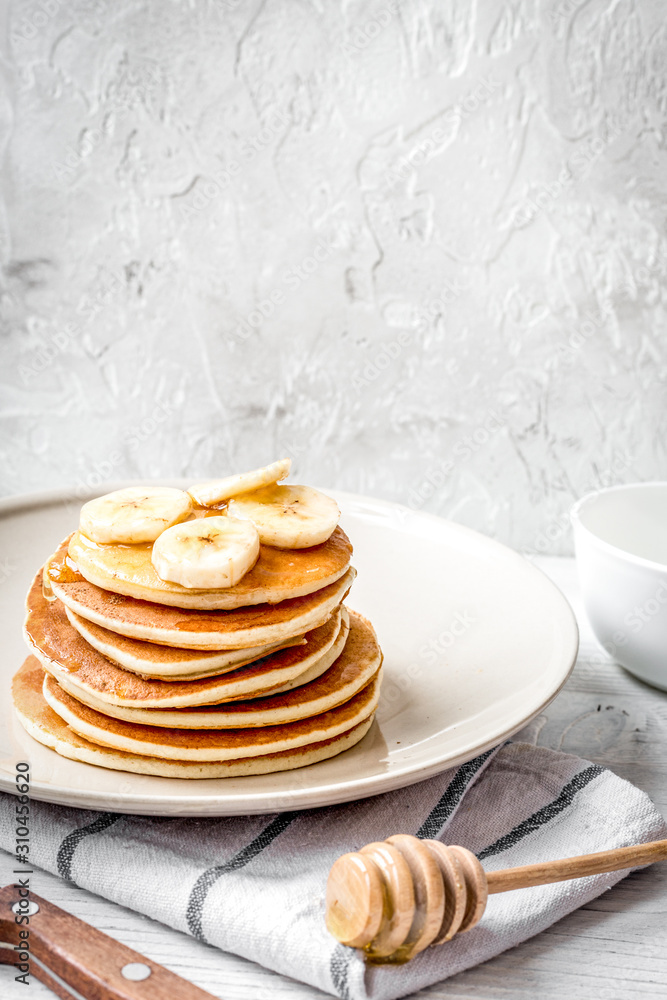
{"x":136,"y":674}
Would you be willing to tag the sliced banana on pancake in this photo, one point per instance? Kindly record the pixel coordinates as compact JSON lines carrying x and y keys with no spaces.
{"x":133,"y":515}
{"x":216,"y":491}
{"x":210,"y":553}
{"x":288,"y":517}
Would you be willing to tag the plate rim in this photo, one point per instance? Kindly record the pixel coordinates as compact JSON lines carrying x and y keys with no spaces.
{"x":247,"y":802}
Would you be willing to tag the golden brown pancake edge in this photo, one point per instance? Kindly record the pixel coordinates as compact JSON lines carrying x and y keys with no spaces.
{"x":350,"y":665}
{"x":43,"y":725}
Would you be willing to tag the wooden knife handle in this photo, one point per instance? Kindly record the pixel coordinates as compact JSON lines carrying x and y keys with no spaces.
{"x":66,"y":952}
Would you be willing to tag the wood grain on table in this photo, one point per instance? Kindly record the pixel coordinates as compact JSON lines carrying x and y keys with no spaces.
{"x":613,"y":948}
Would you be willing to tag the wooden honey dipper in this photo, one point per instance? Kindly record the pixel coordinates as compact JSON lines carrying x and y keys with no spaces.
{"x":393,"y":898}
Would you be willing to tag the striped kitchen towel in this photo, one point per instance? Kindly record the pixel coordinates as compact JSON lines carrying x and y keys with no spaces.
{"x":254,"y":885}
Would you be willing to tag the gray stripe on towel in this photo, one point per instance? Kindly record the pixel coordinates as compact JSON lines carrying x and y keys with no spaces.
{"x":448,"y":802}
{"x":339,"y":967}
{"x":208,"y":878}
{"x":69,"y":845}
{"x":544,"y":815}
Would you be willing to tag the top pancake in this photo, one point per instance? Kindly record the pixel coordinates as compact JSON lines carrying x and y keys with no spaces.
{"x":277,"y":575}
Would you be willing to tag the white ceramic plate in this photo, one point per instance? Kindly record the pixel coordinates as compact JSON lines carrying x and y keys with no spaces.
{"x":476,"y":642}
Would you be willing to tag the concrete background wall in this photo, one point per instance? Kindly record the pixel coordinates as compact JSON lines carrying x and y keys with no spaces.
{"x":418,"y":246}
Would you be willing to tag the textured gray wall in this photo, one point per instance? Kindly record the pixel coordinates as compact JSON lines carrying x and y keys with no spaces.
{"x":419,"y":246}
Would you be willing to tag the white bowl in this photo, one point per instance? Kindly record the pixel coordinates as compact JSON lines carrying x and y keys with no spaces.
{"x":620,"y":538}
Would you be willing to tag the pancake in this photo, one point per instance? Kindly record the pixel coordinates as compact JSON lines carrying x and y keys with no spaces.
{"x":358,"y":661}
{"x":87,"y":675}
{"x":48,"y":629}
{"x":209,"y":744}
{"x":277,"y":575}
{"x":260,"y":624}
{"x":151,"y":660}
{"x":42,"y":723}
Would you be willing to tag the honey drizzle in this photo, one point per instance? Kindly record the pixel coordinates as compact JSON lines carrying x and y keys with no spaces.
{"x":63,"y":571}
{"x":47,"y":589}
{"x":404,"y":952}
{"x":199,"y":511}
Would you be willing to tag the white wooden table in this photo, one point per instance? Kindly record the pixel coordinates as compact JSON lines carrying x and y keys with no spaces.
{"x":615,"y":948}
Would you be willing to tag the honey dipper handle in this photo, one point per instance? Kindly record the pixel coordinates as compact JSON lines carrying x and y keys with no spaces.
{"x":579,"y":867}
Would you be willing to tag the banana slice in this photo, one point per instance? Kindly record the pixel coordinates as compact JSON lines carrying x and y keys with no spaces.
{"x":218,"y":490}
{"x":288,"y":517}
{"x":206,"y":554}
{"x":136,"y":514}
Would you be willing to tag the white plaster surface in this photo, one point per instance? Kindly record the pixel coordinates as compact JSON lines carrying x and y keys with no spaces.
{"x":452,"y":215}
